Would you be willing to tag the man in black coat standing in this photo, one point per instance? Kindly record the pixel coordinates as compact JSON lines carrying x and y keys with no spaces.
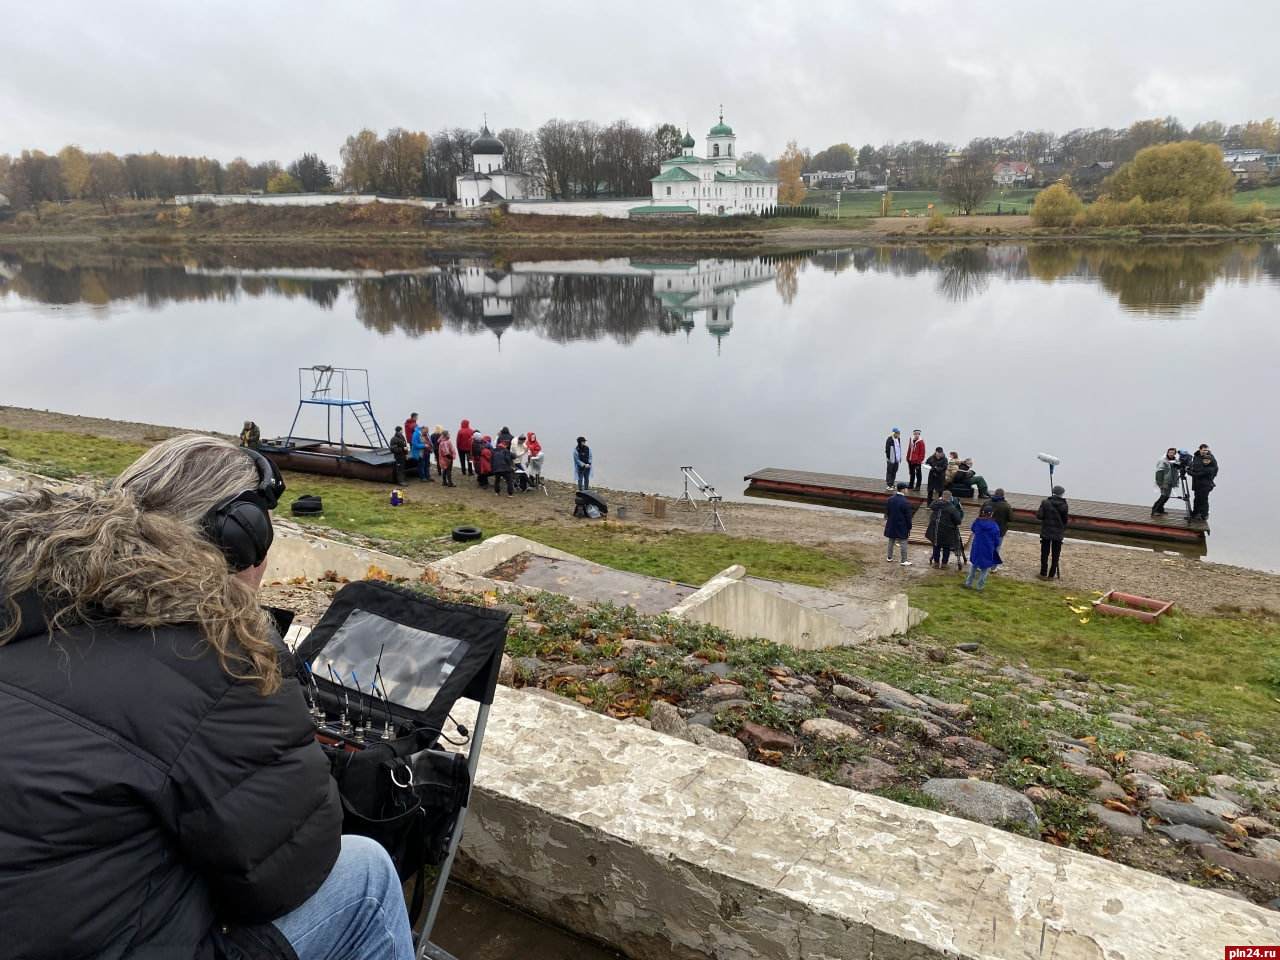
{"x":1203,"y":471}
{"x":897,"y":523}
{"x":937,"y":465}
{"x":1053,"y":514}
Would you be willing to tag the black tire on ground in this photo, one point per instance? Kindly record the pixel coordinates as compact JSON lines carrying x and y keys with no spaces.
{"x":307,"y":506}
{"x":467,"y":534}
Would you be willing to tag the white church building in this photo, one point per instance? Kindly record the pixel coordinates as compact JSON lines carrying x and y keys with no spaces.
{"x":489,"y":181}
{"x":710,"y":185}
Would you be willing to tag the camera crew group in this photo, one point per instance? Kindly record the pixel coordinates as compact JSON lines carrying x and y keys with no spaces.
{"x":951,"y":477}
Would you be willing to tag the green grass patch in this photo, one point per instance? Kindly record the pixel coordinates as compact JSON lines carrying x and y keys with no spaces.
{"x":688,"y":557}
{"x":1210,"y":667}
{"x":1268,"y":195}
{"x":64,"y":455}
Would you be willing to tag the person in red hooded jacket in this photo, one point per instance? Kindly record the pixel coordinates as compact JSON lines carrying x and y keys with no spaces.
{"x":484,"y":461}
{"x":463,"y":443}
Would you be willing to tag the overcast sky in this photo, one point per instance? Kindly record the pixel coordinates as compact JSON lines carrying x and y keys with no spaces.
{"x":271,"y":80}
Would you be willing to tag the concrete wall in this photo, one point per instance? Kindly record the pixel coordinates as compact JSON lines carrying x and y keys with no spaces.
{"x":666,"y":850}
{"x":748,"y":611}
{"x":614,"y":209}
{"x":299,"y":199}
{"x":295,"y":553}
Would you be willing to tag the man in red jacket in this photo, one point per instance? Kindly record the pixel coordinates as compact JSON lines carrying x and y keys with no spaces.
{"x":915,"y":461}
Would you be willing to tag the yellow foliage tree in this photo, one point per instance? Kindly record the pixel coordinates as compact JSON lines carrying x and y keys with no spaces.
{"x":1175,"y":172}
{"x":75,"y":171}
{"x":790,"y":186}
{"x":1055,"y":206}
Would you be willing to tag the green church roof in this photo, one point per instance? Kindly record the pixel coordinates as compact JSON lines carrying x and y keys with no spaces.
{"x":721,"y":129}
{"x":674,"y":174}
{"x":688,"y":140}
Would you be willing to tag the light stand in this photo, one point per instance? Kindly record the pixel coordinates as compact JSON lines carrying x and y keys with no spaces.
{"x":709,"y":492}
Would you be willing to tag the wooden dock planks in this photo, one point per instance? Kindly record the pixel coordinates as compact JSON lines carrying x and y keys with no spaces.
{"x":1121,"y":520}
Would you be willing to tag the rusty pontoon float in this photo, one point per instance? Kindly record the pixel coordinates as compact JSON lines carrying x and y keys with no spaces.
{"x":1091,"y":520}
{"x":353,"y":444}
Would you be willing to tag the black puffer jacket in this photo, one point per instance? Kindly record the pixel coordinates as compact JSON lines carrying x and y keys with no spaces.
{"x":503,"y":461}
{"x":944,"y":523}
{"x":145,"y":794}
{"x":1052,"y":514}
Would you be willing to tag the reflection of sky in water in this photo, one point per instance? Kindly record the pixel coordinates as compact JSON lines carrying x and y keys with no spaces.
{"x":1103,"y":367}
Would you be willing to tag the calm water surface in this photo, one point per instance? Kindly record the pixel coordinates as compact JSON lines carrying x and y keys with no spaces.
{"x":1102,"y":356}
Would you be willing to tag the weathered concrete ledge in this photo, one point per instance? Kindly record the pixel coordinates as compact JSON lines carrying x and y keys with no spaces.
{"x":296,"y":553}
{"x":666,"y":850}
{"x":469,"y":569}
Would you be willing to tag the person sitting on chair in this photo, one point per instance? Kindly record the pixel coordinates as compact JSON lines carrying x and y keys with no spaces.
{"x":172,"y":800}
{"x":966,"y":479}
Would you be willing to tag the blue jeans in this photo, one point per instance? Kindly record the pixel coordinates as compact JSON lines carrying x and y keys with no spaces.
{"x":584,"y":478}
{"x":357,"y":914}
{"x":982,"y":577}
{"x":424,"y":464}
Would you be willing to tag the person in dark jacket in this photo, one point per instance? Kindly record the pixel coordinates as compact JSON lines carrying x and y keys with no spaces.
{"x":582,"y":464}
{"x":937,"y":465}
{"x":892,"y":457}
{"x":399,"y":450}
{"x":1053,"y":514}
{"x":983,"y":551}
{"x":944,"y":529}
{"x":163,"y":791}
{"x":1001,"y":511}
{"x":505,"y":436}
{"x":502,"y":464}
{"x":897,"y":524}
{"x":1203,"y":473}
{"x":250,"y":436}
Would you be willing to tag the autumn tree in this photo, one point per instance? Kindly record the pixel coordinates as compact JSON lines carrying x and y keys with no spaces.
{"x":866,"y":156}
{"x":966,"y":182}
{"x":404,"y":156}
{"x":106,"y":183}
{"x":835,"y":158}
{"x":238,"y":174}
{"x":1187,"y":171}
{"x":284,"y":182}
{"x":1055,"y":206}
{"x":1264,"y":134}
{"x":361,"y":160}
{"x":790,"y":186}
{"x":74,"y":165}
{"x":310,"y":171}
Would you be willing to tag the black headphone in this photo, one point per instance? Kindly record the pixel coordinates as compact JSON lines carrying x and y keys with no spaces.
{"x":241,"y":526}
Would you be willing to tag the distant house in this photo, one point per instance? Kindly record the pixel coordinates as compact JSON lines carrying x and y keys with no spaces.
{"x":1242,"y":155}
{"x":1008,"y":173}
{"x":872,"y":175}
{"x":1254,"y":173}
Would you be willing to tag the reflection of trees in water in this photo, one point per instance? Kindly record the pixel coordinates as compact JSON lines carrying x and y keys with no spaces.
{"x":786,"y":280}
{"x":405,"y":303}
{"x":965,"y":273}
{"x":1157,"y":279}
{"x":1163,"y":280}
{"x":564,"y":308}
{"x":557,"y":307}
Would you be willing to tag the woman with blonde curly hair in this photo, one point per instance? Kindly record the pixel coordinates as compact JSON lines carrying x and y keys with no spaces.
{"x":163,"y":794}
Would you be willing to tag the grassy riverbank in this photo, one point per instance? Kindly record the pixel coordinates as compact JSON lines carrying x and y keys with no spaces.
{"x":1220,"y":667}
{"x":370,"y":228}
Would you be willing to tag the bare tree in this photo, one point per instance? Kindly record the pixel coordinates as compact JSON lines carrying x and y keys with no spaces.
{"x":966,"y":182}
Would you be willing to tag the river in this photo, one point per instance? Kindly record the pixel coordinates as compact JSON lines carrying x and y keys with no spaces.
{"x":1100,"y":355}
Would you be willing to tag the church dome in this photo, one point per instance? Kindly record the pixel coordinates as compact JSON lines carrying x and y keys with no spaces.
{"x":688,"y":141}
{"x":487,"y":144}
{"x":721,"y":129}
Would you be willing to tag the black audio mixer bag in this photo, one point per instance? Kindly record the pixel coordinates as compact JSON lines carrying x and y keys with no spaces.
{"x":404,"y":792}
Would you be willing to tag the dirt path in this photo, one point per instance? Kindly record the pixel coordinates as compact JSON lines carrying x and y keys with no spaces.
{"x":1191,"y":584}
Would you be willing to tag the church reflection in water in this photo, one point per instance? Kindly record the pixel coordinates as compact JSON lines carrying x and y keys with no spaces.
{"x":581,"y":299}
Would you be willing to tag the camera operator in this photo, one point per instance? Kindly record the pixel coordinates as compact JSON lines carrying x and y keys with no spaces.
{"x":163,"y":792}
{"x":1202,"y":471}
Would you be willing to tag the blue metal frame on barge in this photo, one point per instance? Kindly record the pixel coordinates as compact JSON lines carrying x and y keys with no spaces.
{"x":330,"y":389}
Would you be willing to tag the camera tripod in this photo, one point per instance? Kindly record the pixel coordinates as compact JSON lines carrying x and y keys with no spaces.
{"x":709,"y":492}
